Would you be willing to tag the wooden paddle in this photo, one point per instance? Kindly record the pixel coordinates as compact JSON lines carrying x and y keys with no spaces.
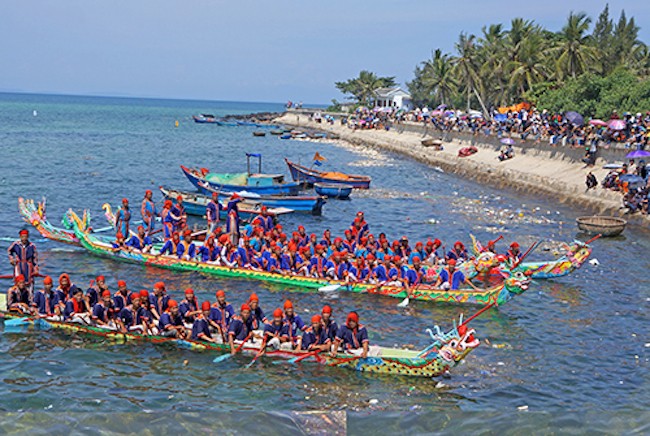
{"x":227,"y":356}
{"x":304,"y":356}
{"x":259,"y":353}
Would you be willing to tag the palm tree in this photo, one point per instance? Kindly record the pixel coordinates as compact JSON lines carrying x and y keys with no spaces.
{"x":438,"y":77}
{"x":363,"y":88}
{"x":530,"y":67}
{"x":574,"y":53}
{"x":466,"y":65}
{"x":494,"y":61}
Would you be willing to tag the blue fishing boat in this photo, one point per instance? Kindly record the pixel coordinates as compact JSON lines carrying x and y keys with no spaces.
{"x":247,"y":123}
{"x":196,"y":203}
{"x":226,"y":123}
{"x":333,"y":190}
{"x":301,"y":173}
{"x":205,"y":119}
{"x":286,"y":136}
{"x":263,"y":184}
{"x":300,"y":203}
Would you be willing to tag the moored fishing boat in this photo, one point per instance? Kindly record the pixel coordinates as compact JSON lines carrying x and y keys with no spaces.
{"x":515,"y":284}
{"x":444,"y":353}
{"x":301,"y":173}
{"x":299,"y":203}
{"x":196,"y":203}
{"x":333,"y":190}
{"x":205,"y":119}
{"x":252,"y":182}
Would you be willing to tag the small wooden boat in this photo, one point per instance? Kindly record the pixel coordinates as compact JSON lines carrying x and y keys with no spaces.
{"x":467,"y":151}
{"x":226,"y":123}
{"x":258,"y":133}
{"x":196,"y":203}
{"x":286,"y":136}
{"x":311,"y":176}
{"x":252,"y":182}
{"x":603,"y":225}
{"x":435,"y":143}
{"x":276,"y":132}
{"x":332,"y":190}
{"x":299,"y":203}
{"x":445,"y":352}
{"x":205,"y":119}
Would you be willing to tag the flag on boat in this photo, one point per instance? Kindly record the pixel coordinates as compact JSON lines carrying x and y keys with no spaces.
{"x":318,"y":159}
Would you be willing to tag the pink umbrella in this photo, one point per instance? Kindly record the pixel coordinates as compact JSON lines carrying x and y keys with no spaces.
{"x":436,"y":113}
{"x":598,"y":123}
{"x":616,"y":124}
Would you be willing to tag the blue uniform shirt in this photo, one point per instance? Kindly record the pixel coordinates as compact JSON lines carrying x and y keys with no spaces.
{"x":457,"y":278}
{"x":200,"y":326}
{"x":352,"y":340}
{"x":310,"y":337}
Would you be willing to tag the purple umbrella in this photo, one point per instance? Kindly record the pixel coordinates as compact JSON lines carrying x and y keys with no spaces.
{"x":442,"y":107}
{"x":637,"y":154}
{"x":616,"y":124}
{"x":574,"y":118}
{"x":508,"y":141}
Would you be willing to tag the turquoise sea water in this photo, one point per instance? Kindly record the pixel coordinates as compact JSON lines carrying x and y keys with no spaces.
{"x":574,"y":350}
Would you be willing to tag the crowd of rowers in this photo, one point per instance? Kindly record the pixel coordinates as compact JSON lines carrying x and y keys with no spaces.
{"x":262,"y":245}
{"x":156,"y":313}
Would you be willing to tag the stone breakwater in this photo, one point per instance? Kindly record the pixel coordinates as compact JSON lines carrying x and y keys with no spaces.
{"x":555,"y":172}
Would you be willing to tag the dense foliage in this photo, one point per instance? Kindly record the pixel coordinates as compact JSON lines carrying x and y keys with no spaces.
{"x":590,"y":72}
{"x":362,"y":88}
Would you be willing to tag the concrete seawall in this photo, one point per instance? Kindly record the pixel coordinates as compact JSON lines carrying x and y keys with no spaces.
{"x":555,"y":172}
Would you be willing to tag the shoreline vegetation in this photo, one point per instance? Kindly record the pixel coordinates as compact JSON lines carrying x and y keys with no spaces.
{"x":556,"y":172}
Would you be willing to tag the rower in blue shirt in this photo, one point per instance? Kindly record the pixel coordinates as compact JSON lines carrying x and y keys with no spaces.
{"x":315,"y":337}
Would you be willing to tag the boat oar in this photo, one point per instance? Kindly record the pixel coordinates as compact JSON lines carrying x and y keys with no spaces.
{"x":18,"y":322}
{"x":405,"y":302}
{"x":303,"y":357}
{"x":259,"y":353}
{"x":330,"y":288}
{"x":483,"y":309}
{"x":227,"y":356}
{"x":523,"y":256}
{"x":593,"y":239}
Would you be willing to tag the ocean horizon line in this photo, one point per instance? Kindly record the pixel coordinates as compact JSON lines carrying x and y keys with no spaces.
{"x":127,"y":97}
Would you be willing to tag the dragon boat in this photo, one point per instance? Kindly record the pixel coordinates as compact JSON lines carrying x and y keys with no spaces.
{"x":444,"y":353}
{"x":514,"y":284}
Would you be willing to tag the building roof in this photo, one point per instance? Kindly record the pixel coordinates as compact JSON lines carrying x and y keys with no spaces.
{"x":391,"y":92}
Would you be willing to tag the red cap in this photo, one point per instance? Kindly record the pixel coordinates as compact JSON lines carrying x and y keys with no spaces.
{"x":316,"y":319}
{"x":119,"y":235}
{"x":19,"y":278}
{"x":100,"y":279}
{"x":301,"y":228}
{"x":353,"y":316}
{"x":135,"y":296}
{"x":416,"y":258}
{"x":234,"y":196}
{"x":189,"y":291}
{"x":245,"y":306}
{"x":451,"y":262}
{"x":370,"y":256}
{"x":418,"y":244}
{"x":458,"y":243}
{"x":277,"y":313}
{"x":144,"y":293}
{"x":288,"y":305}
{"x":221,"y":293}
{"x":47,"y":280}
{"x":64,"y":276}
{"x":140,"y":229}
{"x":514,"y":245}
{"x":106,"y":294}
{"x":172,"y":303}
{"x":253,"y":297}
{"x":125,"y":200}
{"x":159,"y":285}
{"x":437,"y":242}
{"x":168,"y":204}
{"x":121,"y":283}
{"x":24,"y":232}
{"x":148,"y":192}
{"x":187,"y":232}
{"x":327,"y":309}
{"x":215,"y":194}
{"x":205,"y":306}
{"x":223,"y":239}
{"x":179,"y":198}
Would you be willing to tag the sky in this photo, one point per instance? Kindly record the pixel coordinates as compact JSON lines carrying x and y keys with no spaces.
{"x":245,"y":50}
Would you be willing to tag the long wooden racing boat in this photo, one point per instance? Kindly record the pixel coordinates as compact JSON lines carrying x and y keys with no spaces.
{"x":444,"y":353}
{"x":515,"y":284}
{"x":301,"y":173}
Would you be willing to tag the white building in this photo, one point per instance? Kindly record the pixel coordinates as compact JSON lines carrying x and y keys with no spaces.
{"x":393,"y":98}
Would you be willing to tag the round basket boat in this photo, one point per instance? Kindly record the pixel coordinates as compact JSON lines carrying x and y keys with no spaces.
{"x":604,"y":225}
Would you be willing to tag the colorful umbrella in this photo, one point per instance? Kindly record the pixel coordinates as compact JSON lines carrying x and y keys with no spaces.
{"x":507,"y":141}
{"x":616,"y":124}
{"x":574,"y":118}
{"x":598,"y":123}
{"x":637,"y":154}
{"x":500,"y":117}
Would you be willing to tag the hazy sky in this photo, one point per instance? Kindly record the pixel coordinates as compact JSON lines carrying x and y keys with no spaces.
{"x":244,"y":50}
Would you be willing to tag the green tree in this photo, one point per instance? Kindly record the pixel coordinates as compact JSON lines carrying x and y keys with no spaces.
{"x":362,"y":88}
{"x":466,"y":65}
{"x":574,"y":53}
